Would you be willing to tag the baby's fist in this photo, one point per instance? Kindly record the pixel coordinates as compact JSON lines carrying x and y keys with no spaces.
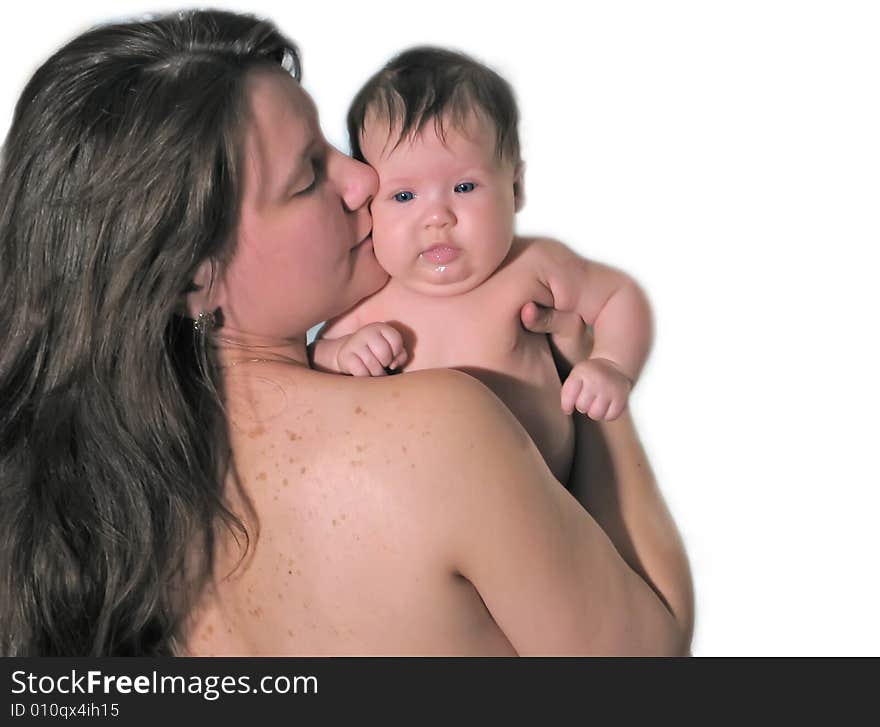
{"x":597,"y":388}
{"x":370,"y":350}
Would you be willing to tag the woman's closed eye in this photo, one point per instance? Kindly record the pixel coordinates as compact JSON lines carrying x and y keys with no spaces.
{"x":465,"y":187}
{"x":317,"y":176}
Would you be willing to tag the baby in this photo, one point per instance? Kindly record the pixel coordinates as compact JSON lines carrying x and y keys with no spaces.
{"x":440,"y":130}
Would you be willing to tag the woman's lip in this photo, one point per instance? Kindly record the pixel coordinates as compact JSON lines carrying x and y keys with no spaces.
{"x":367,"y":240}
{"x":440,"y":254}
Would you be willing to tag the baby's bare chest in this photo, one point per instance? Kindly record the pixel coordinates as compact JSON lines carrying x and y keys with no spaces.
{"x":481,"y":328}
{"x":481,"y":333}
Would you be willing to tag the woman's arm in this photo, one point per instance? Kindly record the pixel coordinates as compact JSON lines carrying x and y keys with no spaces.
{"x":612,"y":478}
{"x":550,"y":576}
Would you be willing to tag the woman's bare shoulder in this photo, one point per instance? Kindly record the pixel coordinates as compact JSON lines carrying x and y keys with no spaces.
{"x":331,"y":420}
{"x":433,"y":463}
{"x":416,"y":444}
{"x":432,"y":395}
{"x":428,"y":411}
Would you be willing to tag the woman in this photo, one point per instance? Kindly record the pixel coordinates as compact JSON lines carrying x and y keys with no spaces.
{"x":175,"y":479}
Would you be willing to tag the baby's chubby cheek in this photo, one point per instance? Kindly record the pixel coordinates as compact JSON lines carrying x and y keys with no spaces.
{"x":388,"y":253}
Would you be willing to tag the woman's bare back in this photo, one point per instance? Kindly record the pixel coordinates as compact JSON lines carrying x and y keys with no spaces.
{"x":414,"y":515}
{"x":349,"y":556}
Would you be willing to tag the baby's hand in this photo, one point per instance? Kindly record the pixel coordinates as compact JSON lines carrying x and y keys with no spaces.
{"x":597,"y":388}
{"x":370,"y":350}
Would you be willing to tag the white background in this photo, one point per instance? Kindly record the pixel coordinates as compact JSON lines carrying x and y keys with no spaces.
{"x":727,"y":154}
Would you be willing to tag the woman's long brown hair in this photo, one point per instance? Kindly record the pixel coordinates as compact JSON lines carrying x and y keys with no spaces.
{"x":118,"y":177}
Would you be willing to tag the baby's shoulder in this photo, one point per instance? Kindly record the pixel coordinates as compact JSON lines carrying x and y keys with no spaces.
{"x":543,"y":259}
{"x":542,"y":251}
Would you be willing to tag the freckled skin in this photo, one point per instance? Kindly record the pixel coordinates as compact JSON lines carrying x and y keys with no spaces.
{"x":348,"y":544}
{"x":383,"y":582}
{"x":425,"y":529}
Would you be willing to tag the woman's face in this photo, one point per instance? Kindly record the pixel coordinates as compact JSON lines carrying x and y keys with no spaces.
{"x":303,"y":251}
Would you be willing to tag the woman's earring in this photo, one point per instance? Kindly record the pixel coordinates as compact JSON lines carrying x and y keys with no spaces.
{"x":205,"y":321}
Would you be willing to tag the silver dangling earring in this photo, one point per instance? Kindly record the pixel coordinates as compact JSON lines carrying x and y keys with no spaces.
{"x":204,"y":322}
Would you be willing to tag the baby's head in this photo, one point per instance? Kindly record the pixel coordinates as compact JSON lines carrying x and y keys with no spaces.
{"x":440,"y":130}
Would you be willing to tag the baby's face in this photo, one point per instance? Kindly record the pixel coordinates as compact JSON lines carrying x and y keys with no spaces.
{"x":443,"y":214}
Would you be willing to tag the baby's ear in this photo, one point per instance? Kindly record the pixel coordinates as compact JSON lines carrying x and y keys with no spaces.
{"x":519,"y":189}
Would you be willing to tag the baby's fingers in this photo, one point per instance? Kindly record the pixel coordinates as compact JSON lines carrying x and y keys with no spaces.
{"x":598,"y":410}
{"x":399,"y":360}
{"x":571,"y":390}
{"x":374,"y":362}
{"x":379,"y":347}
{"x":585,"y":400}
{"x":352,"y":364}
{"x":395,"y":342}
{"x":615,"y":409}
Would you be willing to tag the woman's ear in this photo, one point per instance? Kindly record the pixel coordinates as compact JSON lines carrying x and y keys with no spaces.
{"x":519,"y":190}
{"x":202,"y":294}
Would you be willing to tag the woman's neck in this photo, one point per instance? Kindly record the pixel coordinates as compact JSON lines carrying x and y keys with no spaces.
{"x":234,"y":347}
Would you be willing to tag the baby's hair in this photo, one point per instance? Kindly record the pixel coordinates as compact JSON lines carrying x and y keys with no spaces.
{"x":434,"y":84}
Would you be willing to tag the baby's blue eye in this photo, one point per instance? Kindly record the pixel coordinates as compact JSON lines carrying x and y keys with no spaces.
{"x":403,"y":196}
{"x":465,"y":187}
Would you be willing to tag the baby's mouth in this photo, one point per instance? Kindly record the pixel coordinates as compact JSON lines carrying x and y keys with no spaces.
{"x":440,"y":254}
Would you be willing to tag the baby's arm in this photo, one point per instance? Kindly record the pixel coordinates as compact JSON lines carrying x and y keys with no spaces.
{"x":343,"y":346}
{"x":618,"y":311}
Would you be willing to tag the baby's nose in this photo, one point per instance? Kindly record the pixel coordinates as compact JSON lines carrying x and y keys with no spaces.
{"x":440,"y":216}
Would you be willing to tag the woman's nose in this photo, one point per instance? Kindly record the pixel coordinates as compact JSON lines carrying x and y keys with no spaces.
{"x":356,"y":181}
